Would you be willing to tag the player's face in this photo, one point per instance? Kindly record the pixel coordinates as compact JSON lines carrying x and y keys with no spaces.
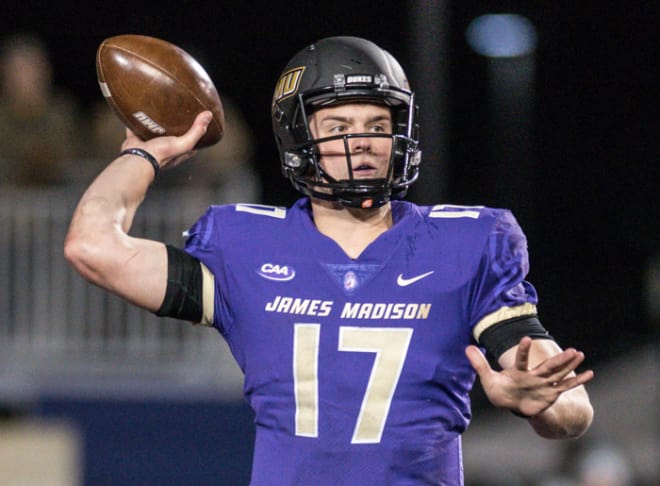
{"x":369,"y":156}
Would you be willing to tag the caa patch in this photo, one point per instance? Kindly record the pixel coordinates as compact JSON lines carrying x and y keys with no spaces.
{"x":278,"y":273}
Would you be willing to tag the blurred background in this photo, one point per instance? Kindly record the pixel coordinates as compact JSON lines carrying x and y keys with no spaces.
{"x":548,"y":108}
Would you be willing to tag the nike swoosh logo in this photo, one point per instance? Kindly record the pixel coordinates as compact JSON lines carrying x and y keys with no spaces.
{"x":404,"y":282}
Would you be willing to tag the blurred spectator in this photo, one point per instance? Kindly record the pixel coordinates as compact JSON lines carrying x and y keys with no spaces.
{"x":604,"y":465}
{"x":594,"y":464}
{"x":38,"y":123}
{"x":226,"y":170}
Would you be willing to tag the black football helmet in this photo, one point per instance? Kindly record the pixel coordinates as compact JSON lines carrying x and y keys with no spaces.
{"x":337,"y":70}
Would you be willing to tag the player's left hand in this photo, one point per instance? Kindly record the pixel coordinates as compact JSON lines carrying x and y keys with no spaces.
{"x":524,"y":390}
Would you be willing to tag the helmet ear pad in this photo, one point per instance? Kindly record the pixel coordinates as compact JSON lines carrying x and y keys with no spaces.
{"x":301,"y":165}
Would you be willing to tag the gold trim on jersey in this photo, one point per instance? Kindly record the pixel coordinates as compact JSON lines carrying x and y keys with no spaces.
{"x":502,"y":314}
{"x":208,"y":296}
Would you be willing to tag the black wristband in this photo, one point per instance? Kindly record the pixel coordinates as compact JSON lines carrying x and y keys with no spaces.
{"x":145,"y":155}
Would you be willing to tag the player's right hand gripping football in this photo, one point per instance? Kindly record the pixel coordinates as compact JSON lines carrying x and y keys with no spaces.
{"x":170,"y":151}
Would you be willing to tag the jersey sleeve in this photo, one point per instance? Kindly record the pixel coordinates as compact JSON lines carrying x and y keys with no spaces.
{"x":500,"y":292}
{"x":204,"y":243}
{"x":199,"y":235}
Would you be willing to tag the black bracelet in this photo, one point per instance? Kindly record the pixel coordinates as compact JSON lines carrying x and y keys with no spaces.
{"x":145,"y":155}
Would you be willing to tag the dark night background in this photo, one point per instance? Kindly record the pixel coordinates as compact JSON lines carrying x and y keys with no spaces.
{"x":591,"y":205}
{"x":585,"y":188}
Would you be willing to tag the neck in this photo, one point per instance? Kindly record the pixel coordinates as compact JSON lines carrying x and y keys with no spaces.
{"x":353,"y":229}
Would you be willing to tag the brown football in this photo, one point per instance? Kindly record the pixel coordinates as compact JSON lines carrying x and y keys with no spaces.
{"x":157,"y":88}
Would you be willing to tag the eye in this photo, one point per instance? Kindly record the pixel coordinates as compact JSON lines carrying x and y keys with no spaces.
{"x":339,"y":128}
{"x":383,"y":127}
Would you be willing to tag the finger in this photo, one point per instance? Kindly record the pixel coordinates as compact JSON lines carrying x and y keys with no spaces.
{"x":129,"y":138}
{"x":180,"y":148}
{"x":522,"y":354}
{"x":581,"y":378}
{"x":559,"y":366}
{"x":572,"y":365}
{"x":198,"y":128}
{"x":584,"y":377}
{"x":573,"y":381}
{"x":477,"y":360}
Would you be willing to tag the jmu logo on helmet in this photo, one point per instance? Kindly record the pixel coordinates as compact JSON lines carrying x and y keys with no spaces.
{"x":288,"y":84}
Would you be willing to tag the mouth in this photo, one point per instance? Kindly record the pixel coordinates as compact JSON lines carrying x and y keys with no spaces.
{"x":364,"y":169}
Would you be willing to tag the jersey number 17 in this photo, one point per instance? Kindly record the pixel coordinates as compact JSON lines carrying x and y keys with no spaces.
{"x":390,"y":346}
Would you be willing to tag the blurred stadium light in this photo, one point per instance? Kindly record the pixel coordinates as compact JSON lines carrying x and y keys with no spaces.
{"x":502,"y":35}
{"x":508,"y":42}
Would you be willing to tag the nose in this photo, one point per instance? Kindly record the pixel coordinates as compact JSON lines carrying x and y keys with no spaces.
{"x":360,"y":144}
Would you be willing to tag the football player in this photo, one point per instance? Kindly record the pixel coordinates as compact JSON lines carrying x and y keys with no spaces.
{"x":358,"y":319}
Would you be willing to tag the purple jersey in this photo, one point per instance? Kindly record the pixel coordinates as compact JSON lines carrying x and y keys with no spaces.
{"x":355,"y":368}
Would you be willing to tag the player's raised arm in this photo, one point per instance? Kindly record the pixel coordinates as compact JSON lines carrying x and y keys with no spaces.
{"x":98,"y":244}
